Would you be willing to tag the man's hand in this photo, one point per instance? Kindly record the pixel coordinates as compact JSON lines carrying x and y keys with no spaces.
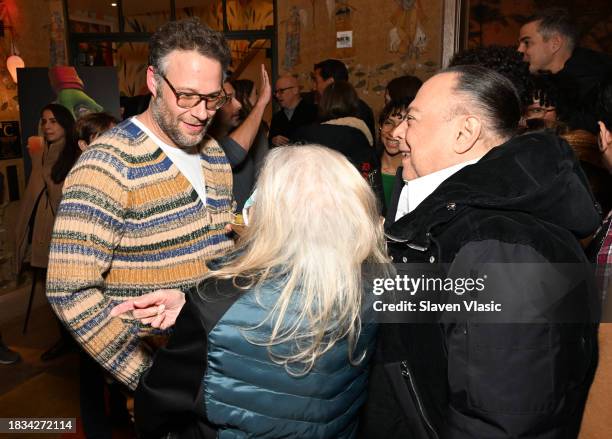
{"x":265,"y":89}
{"x":159,"y":308}
{"x":279,"y":140}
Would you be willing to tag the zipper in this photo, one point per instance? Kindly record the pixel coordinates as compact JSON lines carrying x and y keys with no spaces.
{"x":408,"y":244}
{"x":406,"y":373}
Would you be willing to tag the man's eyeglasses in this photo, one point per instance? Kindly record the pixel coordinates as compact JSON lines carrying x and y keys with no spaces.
{"x":279,"y":91}
{"x":212,"y":101}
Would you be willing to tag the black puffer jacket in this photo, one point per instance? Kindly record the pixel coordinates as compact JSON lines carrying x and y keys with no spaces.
{"x":525,"y":201}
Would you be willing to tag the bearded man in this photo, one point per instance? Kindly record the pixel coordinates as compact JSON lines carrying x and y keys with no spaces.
{"x":146,"y":205}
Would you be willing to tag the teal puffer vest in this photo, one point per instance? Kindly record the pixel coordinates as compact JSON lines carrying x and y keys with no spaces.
{"x":247,"y":395}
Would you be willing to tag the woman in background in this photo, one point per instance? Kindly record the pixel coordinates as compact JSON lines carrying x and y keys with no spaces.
{"x":342,"y":130}
{"x":390,"y":157}
{"x":50,"y":165}
{"x":275,"y":342}
{"x":402,"y":87}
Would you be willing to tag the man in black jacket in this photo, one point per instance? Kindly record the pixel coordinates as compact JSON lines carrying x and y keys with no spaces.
{"x":548,"y":42}
{"x":488,"y":202}
{"x":294,"y":113}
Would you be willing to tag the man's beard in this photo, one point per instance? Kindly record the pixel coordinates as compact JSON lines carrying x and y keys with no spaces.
{"x":170,"y":126}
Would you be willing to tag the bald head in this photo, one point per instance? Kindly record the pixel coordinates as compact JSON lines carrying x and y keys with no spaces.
{"x":287,"y":91}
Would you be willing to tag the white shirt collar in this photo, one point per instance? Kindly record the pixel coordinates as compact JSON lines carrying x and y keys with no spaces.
{"x":415,"y":191}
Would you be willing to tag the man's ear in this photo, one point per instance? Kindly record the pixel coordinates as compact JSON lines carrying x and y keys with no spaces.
{"x":151,"y":81}
{"x":605,"y":137}
{"x":82,"y":144}
{"x":556,"y":41}
{"x":468,"y":132}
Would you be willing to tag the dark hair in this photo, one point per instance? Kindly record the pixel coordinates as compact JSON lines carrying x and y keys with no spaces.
{"x":339,"y":99}
{"x":187,"y":34}
{"x":553,"y":20}
{"x":92,"y":125}
{"x":404,"y":86}
{"x":492,"y":93}
{"x":243,"y":89}
{"x":333,"y":68}
{"x":392,"y":107}
{"x":604,"y":110}
{"x":71,"y":152}
{"x":505,"y":61}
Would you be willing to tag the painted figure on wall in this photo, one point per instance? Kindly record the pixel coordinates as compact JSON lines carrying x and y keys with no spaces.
{"x":57,"y":41}
{"x":344,"y":23}
{"x":293,"y":29}
{"x":407,"y":35}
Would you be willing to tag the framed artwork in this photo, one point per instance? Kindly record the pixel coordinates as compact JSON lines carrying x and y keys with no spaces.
{"x":80,"y":89}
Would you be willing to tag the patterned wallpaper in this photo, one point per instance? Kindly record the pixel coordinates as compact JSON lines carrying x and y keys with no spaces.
{"x":390,"y":38}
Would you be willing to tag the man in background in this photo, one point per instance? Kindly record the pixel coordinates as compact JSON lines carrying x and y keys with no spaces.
{"x":244,"y":141}
{"x":548,"y":42}
{"x":294,"y":112}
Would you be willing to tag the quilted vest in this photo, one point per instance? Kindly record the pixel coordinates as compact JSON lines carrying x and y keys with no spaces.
{"x":246,"y":394}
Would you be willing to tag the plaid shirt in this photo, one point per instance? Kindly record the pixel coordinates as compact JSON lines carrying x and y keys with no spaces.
{"x":604,"y":258}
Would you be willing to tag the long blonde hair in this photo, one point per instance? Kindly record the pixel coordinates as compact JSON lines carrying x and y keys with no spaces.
{"x":313,"y":224}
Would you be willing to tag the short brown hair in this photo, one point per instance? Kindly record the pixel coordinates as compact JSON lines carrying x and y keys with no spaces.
{"x":553,"y":20}
{"x":187,"y":34}
{"x":92,"y":125}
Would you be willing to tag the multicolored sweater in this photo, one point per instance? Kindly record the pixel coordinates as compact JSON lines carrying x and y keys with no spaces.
{"x":130,"y":223}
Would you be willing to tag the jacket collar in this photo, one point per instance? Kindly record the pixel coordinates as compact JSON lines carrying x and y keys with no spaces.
{"x":354,"y":123}
{"x":536,"y":173}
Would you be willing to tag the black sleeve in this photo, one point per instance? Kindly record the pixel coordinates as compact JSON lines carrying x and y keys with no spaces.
{"x":520,"y":380}
{"x":234,"y":152}
{"x":366,"y":114}
{"x":304,"y":134}
{"x":168,"y":395}
{"x":275,"y":125}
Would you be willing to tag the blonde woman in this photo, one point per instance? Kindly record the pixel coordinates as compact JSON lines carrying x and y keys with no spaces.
{"x":274,"y":344}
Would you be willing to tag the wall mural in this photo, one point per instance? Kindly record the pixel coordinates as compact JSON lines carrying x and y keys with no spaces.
{"x":390,"y":38}
{"x":407,"y":36}
{"x":293,"y":34}
{"x":57,"y":31}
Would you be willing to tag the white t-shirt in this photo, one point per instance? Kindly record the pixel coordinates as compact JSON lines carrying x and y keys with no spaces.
{"x":190,"y":165}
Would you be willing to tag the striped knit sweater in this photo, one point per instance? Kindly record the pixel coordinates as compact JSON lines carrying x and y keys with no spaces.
{"x":130,"y":223}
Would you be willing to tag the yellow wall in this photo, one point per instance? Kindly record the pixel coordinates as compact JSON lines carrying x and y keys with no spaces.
{"x":387,"y":40}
